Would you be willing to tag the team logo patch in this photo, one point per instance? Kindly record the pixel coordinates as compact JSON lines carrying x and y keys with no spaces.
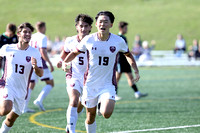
{"x":28,"y":58}
{"x":5,"y":96}
{"x":112,"y":49}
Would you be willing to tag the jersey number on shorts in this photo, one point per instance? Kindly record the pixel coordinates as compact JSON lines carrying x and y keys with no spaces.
{"x":20,"y":67}
{"x":103,"y":60}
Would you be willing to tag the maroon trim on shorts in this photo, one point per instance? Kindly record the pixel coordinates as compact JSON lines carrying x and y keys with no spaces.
{"x":45,"y":79}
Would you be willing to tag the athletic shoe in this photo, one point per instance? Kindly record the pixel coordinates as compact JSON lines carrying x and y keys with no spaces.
{"x":41,"y":107}
{"x":140,"y":95}
{"x":67,"y":130}
{"x":98,"y":109}
{"x":117,"y":98}
{"x":28,"y":110}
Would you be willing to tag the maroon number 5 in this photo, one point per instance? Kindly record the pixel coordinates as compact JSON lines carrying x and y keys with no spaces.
{"x":81,"y":61}
{"x":20,"y":67}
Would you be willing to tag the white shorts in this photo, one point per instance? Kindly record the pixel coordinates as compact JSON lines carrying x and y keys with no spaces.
{"x":18,"y":103}
{"x":46,"y":76}
{"x":74,"y":84}
{"x":108,"y":92}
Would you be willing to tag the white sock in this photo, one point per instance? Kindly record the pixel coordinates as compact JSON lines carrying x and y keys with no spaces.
{"x":4,"y":128}
{"x":28,"y":98}
{"x":45,"y":91}
{"x":72,"y":117}
{"x":91,"y":128}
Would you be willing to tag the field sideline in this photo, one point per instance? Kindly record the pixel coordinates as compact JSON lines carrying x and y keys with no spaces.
{"x":171,"y":107}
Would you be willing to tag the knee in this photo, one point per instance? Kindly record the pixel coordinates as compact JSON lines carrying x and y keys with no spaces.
{"x":74,"y":102}
{"x":5,"y":110}
{"x":106,"y":115}
{"x":90,"y":118}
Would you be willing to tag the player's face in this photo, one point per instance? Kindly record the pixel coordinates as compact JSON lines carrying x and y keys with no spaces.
{"x":83,"y":28}
{"x":103,"y":24}
{"x":25,"y":35}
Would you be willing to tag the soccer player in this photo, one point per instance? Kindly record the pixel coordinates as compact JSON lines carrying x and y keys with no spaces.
{"x":8,"y":37}
{"x":75,"y":77}
{"x":100,"y":80}
{"x":39,"y":41}
{"x":21,"y":61}
{"x":123,"y":65}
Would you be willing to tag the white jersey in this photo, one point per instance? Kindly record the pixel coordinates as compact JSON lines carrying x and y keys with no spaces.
{"x":38,"y":41}
{"x":102,"y":56}
{"x":18,"y":68}
{"x":79,"y":64}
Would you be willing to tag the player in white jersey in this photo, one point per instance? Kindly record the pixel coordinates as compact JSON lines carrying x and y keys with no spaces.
{"x":100,"y":80}
{"x":75,"y":76}
{"x":39,"y":41}
{"x":21,"y":60}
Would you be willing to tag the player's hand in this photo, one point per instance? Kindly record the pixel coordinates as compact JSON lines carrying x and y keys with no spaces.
{"x":51,"y":67}
{"x":66,"y":66}
{"x":33,"y":62}
{"x":59,"y":64}
{"x":137,"y":77}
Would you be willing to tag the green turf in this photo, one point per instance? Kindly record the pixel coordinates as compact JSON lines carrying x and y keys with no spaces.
{"x":173,"y":101}
{"x":160,"y":20}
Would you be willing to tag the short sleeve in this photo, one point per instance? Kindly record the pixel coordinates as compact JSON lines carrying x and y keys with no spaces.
{"x":38,"y":58}
{"x":123,"y":46}
{"x":3,"y":50}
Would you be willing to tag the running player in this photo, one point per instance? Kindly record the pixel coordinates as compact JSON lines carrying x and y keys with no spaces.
{"x":75,"y":76}
{"x":123,"y":65}
{"x":21,"y":60}
{"x":100,"y":80}
{"x":39,"y":41}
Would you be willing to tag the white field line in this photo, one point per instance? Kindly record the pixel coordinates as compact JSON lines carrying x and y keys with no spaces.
{"x":157,"y":129}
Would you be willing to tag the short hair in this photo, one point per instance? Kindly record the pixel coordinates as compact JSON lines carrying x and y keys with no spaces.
{"x":106,"y":13}
{"x":24,"y":25}
{"x":122,"y":24}
{"x":11,"y":27}
{"x":40,"y":24}
{"x":85,"y":18}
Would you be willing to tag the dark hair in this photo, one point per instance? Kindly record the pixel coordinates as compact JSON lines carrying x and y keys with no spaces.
{"x":24,"y":25}
{"x":106,"y":13}
{"x":11,"y":27}
{"x":122,"y":24}
{"x":40,"y":25}
{"x":85,"y":18}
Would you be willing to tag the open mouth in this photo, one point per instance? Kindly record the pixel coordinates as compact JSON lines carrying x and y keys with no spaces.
{"x":103,"y":29}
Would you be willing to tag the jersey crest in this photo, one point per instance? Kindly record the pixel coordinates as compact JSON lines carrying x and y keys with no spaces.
{"x":112,"y":49}
{"x":28,"y":58}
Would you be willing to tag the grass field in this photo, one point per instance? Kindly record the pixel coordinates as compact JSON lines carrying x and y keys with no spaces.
{"x":160,"y":20}
{"x":173,"y":101}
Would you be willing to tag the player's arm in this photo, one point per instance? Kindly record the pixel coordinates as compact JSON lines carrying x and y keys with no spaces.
{"x":63,"y":55}
{"x":71,"y":56}
{"x":38,"y":71}
{"x":133,"y":64}
{"x":44,"y":55}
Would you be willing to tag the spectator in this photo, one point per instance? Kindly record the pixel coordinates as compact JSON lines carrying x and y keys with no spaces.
{"x":138,"y":40}
{"x":57,"y":46}
{"x":146,"y":52}
{"x":197,"y":53}
{"x":180,"y":46}
{"x":49,"y":44}
{"x":136,"y":51}
{"x":193,"y":49}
